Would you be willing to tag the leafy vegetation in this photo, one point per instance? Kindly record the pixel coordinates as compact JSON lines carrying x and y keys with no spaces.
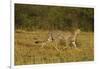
{"x":33,"y":17}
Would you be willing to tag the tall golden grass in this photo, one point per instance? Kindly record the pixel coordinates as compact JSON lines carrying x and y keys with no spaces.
{"x":28,"y":52}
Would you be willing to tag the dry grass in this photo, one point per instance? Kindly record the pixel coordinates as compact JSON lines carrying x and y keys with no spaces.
{"x":29,"y":52}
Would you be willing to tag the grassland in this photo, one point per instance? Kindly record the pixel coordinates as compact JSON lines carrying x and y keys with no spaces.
{"x":28,"y":52}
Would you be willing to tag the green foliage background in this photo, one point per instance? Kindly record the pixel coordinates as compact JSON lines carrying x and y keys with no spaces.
{"x":34,"y":17}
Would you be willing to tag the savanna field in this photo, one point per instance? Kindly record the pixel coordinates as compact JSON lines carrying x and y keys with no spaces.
{"x":29,"y":52}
